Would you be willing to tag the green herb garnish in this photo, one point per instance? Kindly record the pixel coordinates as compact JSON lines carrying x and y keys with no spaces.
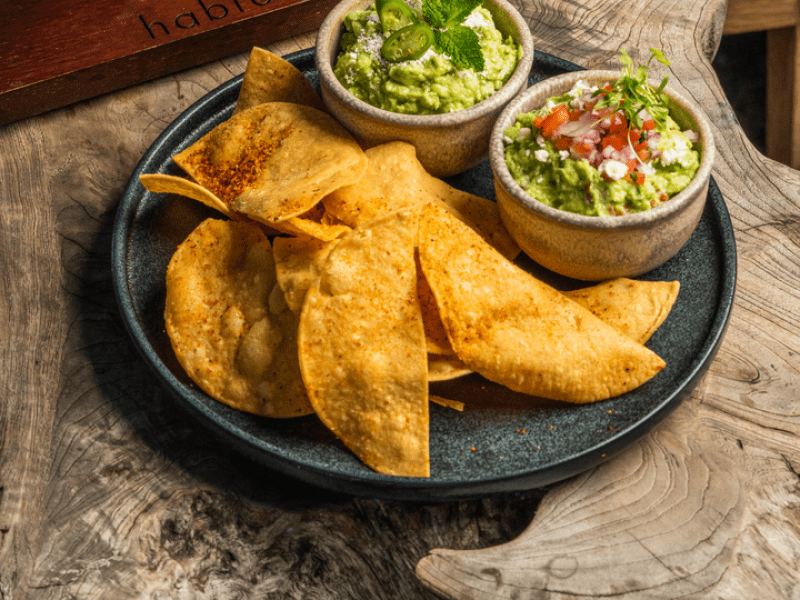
{"x":450,"y":37}
{"x":631,"y":92}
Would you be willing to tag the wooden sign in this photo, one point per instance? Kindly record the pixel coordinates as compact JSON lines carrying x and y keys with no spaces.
{"x":56,"y":52}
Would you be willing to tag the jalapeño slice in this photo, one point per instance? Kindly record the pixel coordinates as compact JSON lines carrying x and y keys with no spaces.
{"x":394,"y":15}
{"x":408,"y":43}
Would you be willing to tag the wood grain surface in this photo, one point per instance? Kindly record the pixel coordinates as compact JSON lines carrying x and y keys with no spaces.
{"x":106,"y":493}
{"x":97,"y":47}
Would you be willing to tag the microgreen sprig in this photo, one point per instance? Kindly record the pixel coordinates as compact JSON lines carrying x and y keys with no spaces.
{"x":631,"y":91}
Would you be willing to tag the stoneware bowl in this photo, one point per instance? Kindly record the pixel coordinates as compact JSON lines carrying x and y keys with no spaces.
{"x":446,"y":144}
{"x":597,"y":248}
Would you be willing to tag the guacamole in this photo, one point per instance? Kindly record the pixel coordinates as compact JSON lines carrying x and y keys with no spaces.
{"x":583,"y":156}
{"x":429,"y":84}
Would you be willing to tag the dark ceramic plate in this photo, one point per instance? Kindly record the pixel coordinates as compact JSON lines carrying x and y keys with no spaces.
{"x":502,"y":441}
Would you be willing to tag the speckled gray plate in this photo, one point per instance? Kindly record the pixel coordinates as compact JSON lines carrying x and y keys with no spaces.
{"x":502,"y":441}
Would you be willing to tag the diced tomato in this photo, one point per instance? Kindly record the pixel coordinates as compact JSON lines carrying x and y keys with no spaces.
{"x":576,"y":114}
{"x":619,"y":124}
{"x":604,"y":90}
{"x":554,"y":120}
{"x":537,"y":121}
{"x":635,"y":177}
{"x":615,"y":141}
{"x":631,"y":164}
{"x":644,"y":155}
{"x":583,"y":148}
{"x":649,"y":125}
{"x":563,"y":143}
{"x":640,"y":146}
{"x":634,"y":135}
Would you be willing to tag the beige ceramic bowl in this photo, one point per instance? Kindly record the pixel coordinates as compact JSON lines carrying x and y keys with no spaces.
{"x":598,"y":248}
{"x":446,"y":144}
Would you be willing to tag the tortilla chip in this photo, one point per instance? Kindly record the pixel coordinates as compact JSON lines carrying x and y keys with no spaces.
{"x":445,"y":368}
{"x":635,"y":308}
{"x":274,"y":161}
{"x":298,"y":263}
{"x":231,"y":338}
{"x":435,"y":334}
{"x":299,"y":226}
{"x":447,"y":403}
{"x":394,"y":179}
{"x":362,"y":347}
{"x":159,"y":183}
{"x":270,"y":78}
{"x":517,"y":331}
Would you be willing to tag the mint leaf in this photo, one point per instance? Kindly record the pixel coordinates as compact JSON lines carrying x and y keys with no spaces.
{"x":458,"y":10}
{"x":462,"y":45}
{"x":435,"y":13}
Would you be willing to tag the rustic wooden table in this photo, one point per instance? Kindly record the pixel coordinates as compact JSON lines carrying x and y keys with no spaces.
{"x":105,"y":492}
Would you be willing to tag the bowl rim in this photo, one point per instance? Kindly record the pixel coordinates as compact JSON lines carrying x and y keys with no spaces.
{"x":517,"y":81}
{"x":529,"y":100}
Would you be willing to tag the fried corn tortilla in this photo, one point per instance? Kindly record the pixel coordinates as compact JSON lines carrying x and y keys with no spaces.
{"x":270,"y":78}
{"x":298,"y":264}
{"x":316,"y":223}
{"x":394,"y":178}
{"x":161,"y":183}
{"x":234,"y":337}
{"x":513,"y":329}
{"x":435,"y":334}
{"x":445,"y":368}
{"x":362,"y":347}
{"x":274,"y":161}
{"x":635,"y":308}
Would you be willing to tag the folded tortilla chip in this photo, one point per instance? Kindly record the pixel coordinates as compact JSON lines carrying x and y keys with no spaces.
{"x":274,"y":161}
{"x":161,"y":183}
{"x":517,"y":331}
{"x":635,"y":308}
{"x":298,"y":263}
{"x":394,"y":178}
{"x":234,"y":343}
{"x":270,"y":78}
{"x":362,"y":347}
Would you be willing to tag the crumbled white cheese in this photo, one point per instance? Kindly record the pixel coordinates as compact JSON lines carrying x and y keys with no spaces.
{"x":476,"y":20}
{"x":542,"y":155}
{"x":564,"y":154}
{"x":613,"y":169}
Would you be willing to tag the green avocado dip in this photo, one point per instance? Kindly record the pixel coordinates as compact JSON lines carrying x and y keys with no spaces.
{"x":431,"y":83}
{"x":605,"y":150}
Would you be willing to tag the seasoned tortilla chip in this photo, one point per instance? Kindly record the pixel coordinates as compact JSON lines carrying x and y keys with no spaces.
{"x":635,"y":308}
{"x":394,"y":178}
{"x":298,"y":263}
{"x":316,"y":223}
{"x":513,"y":329}
{"x":270,"y":78}
{"x":445,"y":368}
{"x":362,"y":347}
{"x":447,"y":403}
{"x":232,"y":341}
{"x":435,"y":334}
{"x":274,"y":161}
{"x":160,"y":183}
